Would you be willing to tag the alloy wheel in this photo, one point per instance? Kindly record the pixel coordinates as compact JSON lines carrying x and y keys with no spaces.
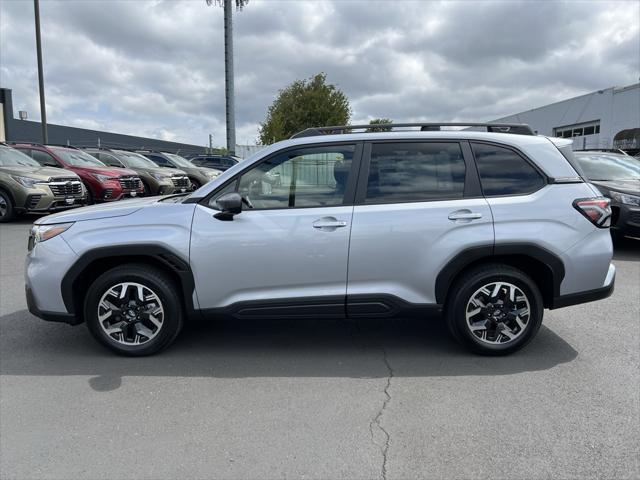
{"x":130,"y":313}
{"x":3,"y":206}
{"x":498,"y":313}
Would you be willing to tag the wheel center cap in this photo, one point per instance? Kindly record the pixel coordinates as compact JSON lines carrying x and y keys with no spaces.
{"x":131,"y":313}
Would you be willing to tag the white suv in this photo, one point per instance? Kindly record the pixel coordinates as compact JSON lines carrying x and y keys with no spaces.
{"x":488,"y":227}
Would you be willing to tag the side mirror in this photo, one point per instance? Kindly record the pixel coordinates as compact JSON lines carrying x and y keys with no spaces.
{"x":230,"y":204}
{"x":51,"y":164}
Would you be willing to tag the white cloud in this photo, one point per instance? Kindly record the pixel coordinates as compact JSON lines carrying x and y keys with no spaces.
{"x":155,"y":68}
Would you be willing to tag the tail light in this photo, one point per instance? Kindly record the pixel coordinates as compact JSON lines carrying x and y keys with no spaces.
{"x":597,"y":210}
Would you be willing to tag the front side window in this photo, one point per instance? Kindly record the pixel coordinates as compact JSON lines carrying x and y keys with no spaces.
{"x":505,"y":172}
{"x":309,"y":177}
{"x":415,"y":172}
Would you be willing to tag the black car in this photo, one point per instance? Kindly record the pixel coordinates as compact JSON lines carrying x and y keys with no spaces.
{"x":617,"y":176}
{"x":219,"y":162}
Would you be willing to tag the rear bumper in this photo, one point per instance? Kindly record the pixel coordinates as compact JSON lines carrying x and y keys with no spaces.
{"x":590,"y":295}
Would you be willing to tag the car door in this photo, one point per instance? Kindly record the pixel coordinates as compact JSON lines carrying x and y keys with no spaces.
{"x":286,"y":252}
{"x":418,"y":205}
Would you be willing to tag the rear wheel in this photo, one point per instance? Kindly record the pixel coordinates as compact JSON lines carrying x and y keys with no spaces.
{"x":7,"y":211}
{"x":134,"y":310}
{"x":494,"y":310}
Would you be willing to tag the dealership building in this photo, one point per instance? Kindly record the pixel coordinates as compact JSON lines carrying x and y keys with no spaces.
{"x":608,"y":118}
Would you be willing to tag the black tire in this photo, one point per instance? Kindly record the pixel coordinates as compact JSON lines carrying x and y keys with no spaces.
{"x":7,"y":211}
{"x":151,"y":278}
{"x":89,"y":200}
{"x":465,"y":287}
{"x":195,"y":184}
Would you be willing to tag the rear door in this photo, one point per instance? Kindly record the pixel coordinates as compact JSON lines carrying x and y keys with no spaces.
{"x":418,"y":204}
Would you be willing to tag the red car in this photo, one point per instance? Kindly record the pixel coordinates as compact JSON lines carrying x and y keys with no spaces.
{"x":104,"y":184}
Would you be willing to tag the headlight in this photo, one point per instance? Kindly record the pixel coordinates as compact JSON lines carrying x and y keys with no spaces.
{"x":41,"y":233}
{"x":625,"y":198}
{"x":103,"y":178}
{"x":212,"y":174}
{"x":27,"y":181}
{"x":160,"y":176}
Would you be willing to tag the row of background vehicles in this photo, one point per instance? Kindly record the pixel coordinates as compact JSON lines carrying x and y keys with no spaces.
{"x":38,"y":183}
{"x":37,"y":178}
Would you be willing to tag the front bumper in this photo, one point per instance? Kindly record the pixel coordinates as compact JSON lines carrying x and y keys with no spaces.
{"x":48,"y":316}
{"x":42,"y":200}
{"x":590,"y":295}
{"x":627,"y":220}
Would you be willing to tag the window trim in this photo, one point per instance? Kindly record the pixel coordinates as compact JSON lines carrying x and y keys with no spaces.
{"x":545,"y":178}
{"x":349,"y":192}
{"x":471,"y":181}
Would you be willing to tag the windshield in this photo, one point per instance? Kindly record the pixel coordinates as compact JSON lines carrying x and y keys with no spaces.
{"x":134,"y":160}
{"x":77,"y":158}
{"x":180,"y":161}
{"x":12,"y":158}
{"x":609,"y":166}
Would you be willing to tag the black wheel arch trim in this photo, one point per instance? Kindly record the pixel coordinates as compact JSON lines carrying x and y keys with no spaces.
{"x":486,"y":252}
{"x":157,"y":253}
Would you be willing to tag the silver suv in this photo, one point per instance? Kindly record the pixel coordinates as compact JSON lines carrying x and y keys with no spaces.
{"x":488,"y":228}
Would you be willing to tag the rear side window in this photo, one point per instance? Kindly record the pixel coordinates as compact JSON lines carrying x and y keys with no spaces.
{"x":414,"y":172}
{"x":504,"y":172}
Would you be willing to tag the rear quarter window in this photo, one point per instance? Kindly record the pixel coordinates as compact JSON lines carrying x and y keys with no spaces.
{"x":505,"y":172}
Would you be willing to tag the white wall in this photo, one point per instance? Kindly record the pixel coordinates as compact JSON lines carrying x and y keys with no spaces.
{"x":616,"y":109}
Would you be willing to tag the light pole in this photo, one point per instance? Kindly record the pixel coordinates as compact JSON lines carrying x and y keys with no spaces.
{"x":228,"y":69}
{"x":43,"y":107}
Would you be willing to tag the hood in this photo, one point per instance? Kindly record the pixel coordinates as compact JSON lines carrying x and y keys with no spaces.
{"x":95,"y":212}
{"x":631,"y":187}
{"x":201,"y":170}
{"x":110,"y":171}
{"x":43,"y":173}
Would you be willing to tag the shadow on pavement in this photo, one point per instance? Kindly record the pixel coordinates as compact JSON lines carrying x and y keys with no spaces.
{"x":268,"y":348}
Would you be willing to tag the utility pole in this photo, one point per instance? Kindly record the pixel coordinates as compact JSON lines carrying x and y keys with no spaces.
{"x":228,"y":77}
{"x":43,"y":107}
{"x":210,"y":144}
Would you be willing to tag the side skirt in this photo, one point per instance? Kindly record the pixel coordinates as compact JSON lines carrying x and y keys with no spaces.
{"x":325,"y":307}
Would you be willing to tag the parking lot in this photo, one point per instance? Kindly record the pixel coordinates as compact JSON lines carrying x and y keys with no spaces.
{"x":325,"y":399}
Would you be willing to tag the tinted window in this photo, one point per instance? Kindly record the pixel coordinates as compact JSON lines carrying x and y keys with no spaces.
{"x":310,"y":177}
{"x":43,"y":158}
{"x":504,"y":172}
{"x":413,"y":172}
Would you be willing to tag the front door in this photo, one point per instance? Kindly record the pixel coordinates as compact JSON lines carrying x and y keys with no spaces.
{"x":286,"y":253}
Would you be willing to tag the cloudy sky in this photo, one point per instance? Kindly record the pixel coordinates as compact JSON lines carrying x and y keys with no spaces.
{"x":155,"y":68}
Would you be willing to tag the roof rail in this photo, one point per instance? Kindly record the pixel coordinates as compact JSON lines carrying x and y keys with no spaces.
{"x":516,"y":128}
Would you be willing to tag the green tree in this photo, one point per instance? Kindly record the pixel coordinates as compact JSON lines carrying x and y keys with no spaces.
{"x":380,"y":121}
{"x":304,"y":104}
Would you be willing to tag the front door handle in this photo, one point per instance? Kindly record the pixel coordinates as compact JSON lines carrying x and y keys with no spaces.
{"x":464,"y":214}
{"x":328,"y":223}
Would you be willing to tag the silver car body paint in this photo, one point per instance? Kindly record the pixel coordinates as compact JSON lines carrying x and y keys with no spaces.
{"x":396,"y":249}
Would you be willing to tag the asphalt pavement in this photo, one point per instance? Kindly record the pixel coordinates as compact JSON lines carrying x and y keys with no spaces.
{"x":321,"y":399}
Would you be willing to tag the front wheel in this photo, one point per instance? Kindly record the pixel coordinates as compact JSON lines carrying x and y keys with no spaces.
{"x":6,"y":207}
{"x":494,"y":310}
{"x":134,"y":310}
{"x":195,"y":185}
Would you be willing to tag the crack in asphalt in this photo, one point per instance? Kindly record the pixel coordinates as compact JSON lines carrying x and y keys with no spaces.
{"x":383,"y":446}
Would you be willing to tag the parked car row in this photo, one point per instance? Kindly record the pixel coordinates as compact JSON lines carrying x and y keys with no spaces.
{"x":37,"y":178}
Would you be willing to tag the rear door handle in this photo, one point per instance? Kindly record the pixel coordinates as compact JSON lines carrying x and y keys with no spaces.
{"x":464,"y":215}
{"x":328,"y":223}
